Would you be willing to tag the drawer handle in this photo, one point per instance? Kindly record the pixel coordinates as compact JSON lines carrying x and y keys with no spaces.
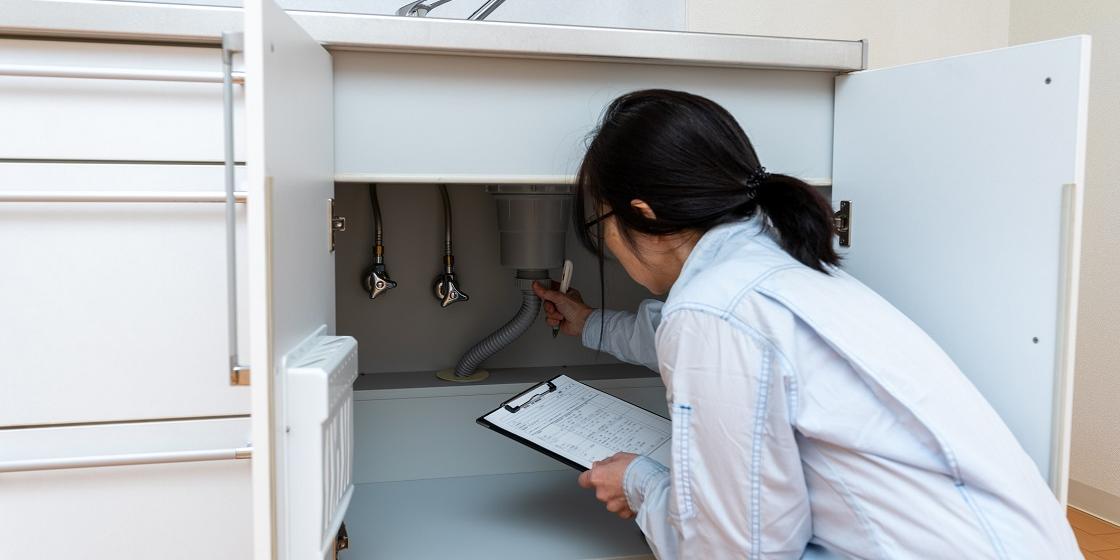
{"x":130,"y":459}
{"x":239,"y":374}
{"x":117,"y":196}
{"x":139,"y":74}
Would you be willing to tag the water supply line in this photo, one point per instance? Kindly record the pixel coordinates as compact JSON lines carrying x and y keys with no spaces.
{"x":377,"y":281}
{"x":446,"y":286}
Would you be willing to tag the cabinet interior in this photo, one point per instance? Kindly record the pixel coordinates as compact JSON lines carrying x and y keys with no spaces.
{"x":405,"y":333}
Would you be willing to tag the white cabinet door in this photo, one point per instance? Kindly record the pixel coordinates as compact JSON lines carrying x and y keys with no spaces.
{"x":957,"y":170}
{"x":290,"y":168}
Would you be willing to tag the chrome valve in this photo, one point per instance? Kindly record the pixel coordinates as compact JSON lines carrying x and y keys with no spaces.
{"x":447,"y":290}
{"x":378,"y":281}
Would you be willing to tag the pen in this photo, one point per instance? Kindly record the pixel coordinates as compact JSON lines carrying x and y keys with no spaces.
{"x":565,"y":282}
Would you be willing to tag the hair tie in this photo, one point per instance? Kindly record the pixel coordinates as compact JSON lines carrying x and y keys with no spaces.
{"x":756,"y":177}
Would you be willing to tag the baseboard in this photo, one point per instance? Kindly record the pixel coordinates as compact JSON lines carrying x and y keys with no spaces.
{"x":1095,"y":501}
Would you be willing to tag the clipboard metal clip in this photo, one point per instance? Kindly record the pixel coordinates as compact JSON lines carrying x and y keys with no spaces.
{"x":533,"y":399}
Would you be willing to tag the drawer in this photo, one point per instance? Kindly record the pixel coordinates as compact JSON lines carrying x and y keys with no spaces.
{"x":102,"y":119}
{"x":115,"y":311}
{"x":179,"y":510}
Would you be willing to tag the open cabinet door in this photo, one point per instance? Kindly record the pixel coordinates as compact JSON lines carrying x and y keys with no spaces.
{"x":290,"y":163}
{"x":964,"y":176}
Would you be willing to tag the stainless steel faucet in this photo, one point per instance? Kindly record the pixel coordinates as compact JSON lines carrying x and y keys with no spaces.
{"x":420,"y":8}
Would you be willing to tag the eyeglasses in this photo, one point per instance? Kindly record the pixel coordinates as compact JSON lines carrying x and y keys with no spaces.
{"x":592,"y":223}
{"x":594,"y":240}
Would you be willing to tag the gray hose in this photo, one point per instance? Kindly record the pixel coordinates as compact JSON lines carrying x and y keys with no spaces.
{"x":530,"y":308}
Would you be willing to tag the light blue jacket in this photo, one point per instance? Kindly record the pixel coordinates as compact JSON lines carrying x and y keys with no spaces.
{"x":813,"y":419}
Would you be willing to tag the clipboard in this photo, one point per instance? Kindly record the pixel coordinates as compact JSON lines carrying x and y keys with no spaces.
{"x":570,"y":418}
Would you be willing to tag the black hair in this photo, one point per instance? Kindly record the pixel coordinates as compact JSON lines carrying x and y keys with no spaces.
{"x":688,"y":159}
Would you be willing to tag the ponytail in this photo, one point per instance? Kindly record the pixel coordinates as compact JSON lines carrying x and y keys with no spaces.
{"x":802,"y":217}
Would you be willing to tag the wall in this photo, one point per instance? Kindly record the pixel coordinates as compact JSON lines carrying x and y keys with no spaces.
{"x":638,"y":14}
{"x":899,"y":32}
{"x":1095,"y":460}
{"x":642,"y":14}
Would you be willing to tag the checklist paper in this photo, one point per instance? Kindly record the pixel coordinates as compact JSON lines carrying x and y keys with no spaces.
{"x":578,"y":424}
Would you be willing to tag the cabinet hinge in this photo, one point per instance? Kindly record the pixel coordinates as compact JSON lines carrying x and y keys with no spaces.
{"x":341,"y":541}
{"x":842,"y":219}
{"x":337,"y":223}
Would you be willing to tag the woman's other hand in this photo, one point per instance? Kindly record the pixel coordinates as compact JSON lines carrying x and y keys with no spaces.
{"x":566,"y":310}
{"x":606,"y":478}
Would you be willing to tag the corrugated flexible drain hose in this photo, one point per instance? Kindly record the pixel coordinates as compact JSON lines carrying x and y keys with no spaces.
{"x":530,"y":308}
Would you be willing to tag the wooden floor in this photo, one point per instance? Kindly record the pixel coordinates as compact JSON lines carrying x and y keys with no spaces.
{"x":1099,"y":539}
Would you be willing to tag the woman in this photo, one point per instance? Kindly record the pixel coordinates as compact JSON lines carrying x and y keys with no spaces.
{"x":810,"y":417}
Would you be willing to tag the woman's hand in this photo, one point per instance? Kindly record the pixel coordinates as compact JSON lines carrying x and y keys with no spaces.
{"x":606,"y":478}
{"x":566,"y":310}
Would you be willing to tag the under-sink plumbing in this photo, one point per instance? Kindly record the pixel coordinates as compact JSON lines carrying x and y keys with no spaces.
{"x":532,"y":224}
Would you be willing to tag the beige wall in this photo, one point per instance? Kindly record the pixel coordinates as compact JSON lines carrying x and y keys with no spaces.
{"x":899,"y":31}
{"x":1095,"y":459}
{"x":907,"y":31}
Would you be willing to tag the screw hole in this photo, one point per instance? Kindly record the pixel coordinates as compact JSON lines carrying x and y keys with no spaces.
{"x":1047,"y":80}
{"x":1035,"y":340}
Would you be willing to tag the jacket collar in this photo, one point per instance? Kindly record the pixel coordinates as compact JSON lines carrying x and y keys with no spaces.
{"x":720,"y":242}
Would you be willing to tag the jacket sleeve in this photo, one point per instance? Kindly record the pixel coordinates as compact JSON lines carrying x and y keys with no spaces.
{"x":625,"y":335}
{"x":734,"y":454}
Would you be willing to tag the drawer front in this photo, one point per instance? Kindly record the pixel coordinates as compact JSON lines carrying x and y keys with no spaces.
{"x":101,"y":119}
{"x":180,"y":510}
{"x":115,"y":311}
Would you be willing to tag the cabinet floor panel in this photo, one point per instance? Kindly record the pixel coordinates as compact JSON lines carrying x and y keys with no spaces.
{"x":540,"y":515}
